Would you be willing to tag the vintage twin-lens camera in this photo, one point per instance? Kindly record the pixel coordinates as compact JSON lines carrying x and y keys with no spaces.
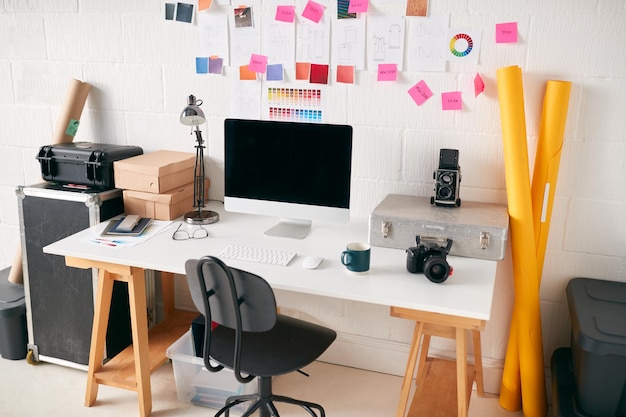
{"x":447,"y":179}
{"x":429,"y":257}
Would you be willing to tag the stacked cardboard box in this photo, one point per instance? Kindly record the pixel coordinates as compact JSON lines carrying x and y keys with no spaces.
{"x":158,"y":184}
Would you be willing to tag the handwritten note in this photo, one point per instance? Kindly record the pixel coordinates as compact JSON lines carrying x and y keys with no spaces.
{"x":313,"y":11}
{"x":285,"y":13}
{"x":479,"y":85}
{"x":420,"y":93}
{"x":506,"y":32}
{"x":451,"y":101}
{"x":387,"y":72}
{"x":258,"y":63}
{"x":358,"y":6}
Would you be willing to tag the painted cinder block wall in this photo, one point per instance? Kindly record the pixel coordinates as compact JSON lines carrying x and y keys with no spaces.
{"x":142,"y":69}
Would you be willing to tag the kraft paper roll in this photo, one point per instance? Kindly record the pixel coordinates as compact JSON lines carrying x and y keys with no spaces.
{"x":547,"y":161}
{"x":68,"y":121}
{"x":526,"y":369}
{"x":15,"y":273}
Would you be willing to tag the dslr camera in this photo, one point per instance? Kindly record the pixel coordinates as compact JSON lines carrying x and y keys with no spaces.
{"x":429,"y":257}
{"x":447,"y":179}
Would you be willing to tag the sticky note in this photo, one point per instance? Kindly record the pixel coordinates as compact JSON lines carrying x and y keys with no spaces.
{"x":479,"y":85}
{"x":506,"y":32}
{"x":202,"y":65}
{"x":303,"y":69}
{"x":313,"y":11}
{"x":204,"y":4}
{"x":345,"y":74}
{"x":358,"y":6}
{"x":274,"y":72}
{"x":215,"y":65}
{"x":451,"y":101}
{"x":387,"y":72}
{"x":258,"y":63}
{"x":319,"y":74}
{"x":246,"y":74}
{"x":285,"y":13}
{"x":420,"y":93}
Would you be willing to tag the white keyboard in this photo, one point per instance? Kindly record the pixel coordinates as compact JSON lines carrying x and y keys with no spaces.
{"x":255,"y":254}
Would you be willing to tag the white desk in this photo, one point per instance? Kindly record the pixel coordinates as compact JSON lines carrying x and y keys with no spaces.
{"x":465,"y":298}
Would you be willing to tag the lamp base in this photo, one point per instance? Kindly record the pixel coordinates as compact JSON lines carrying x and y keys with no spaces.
{"x":201,"y":217}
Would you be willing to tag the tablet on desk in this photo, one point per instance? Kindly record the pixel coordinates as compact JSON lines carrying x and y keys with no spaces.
{"x":113,"y":227}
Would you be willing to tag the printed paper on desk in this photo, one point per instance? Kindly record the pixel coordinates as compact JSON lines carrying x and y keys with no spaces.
{"x":154,"y":228}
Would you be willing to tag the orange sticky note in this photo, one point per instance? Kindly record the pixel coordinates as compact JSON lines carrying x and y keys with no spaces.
{"x":204,"y":4}
{"x":345,"y":74}
{"x":246,"y":74}
{"x":303,"y":69}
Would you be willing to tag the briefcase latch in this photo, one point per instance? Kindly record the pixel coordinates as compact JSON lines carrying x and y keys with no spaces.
{"x":484,"y":240}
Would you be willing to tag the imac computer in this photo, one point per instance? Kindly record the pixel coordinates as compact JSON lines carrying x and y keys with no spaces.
{"x":298,"y":172}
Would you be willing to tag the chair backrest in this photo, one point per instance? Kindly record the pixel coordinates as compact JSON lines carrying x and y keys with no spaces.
{"x":232,"y":295}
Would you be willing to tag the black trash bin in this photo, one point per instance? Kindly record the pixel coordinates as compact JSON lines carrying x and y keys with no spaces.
{"x":13,"y":334}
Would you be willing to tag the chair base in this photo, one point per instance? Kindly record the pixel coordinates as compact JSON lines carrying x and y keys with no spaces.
{"x":264,"y":402}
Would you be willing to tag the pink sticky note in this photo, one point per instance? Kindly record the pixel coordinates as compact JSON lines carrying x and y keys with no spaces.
{"x":451,"y":101}
{"x":420,"y":93}
{"x":358,"y":6}
{"x":313,"y":11}
{"x":506,"y":32}
{"x":285,"y":13}
{"x":479,"y":85}
{"x":387,"y":72}
{"x":258,"y":63}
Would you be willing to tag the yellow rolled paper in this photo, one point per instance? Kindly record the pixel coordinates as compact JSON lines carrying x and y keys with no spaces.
{"x":526,"y":368}
{"x":547,"y":161}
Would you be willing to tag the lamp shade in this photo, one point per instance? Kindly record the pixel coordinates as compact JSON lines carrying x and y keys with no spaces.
{"x":192,"y":115}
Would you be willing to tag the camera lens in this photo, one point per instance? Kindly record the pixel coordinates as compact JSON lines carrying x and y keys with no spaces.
{"x":446,"y":179}
{"x":444,"y":192}
{"x":436,"y":269}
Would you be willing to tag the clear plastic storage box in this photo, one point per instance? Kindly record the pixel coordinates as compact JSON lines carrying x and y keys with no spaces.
{"x":197,"y":385}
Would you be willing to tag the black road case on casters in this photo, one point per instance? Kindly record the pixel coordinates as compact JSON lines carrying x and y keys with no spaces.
{"x":60,"y":299}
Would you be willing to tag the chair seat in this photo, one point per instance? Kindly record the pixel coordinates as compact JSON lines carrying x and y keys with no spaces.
{"x":290,"y":345}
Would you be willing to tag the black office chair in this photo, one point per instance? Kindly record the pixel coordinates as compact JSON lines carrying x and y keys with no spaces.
{"x":251,"y":338}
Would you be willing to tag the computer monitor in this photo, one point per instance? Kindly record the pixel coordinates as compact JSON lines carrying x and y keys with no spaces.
{"x":298,"y":172}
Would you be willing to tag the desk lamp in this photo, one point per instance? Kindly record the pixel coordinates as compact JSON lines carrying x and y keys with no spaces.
{"x":192,"y":115}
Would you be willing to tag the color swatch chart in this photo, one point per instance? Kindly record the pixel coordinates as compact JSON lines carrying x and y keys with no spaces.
{"x":295,"y":104}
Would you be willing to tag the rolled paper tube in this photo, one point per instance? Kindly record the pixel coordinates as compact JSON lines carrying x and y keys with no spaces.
{"x":547,"y":161}
{"x":527,"y":334}
{"x":68,"y":121}
{"x":15,"y":273}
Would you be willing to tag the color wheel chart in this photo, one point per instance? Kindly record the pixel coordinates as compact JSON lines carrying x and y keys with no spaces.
{"x":464,"y":42}
{"x":294,"y":104}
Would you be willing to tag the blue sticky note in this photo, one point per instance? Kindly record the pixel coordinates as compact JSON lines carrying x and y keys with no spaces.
{"x":274,"y":72}
{"x":215,"y":65}
{"x":202,"y":65}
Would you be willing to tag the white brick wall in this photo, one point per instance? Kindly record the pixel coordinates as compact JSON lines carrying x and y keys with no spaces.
{"x":142,"y":69}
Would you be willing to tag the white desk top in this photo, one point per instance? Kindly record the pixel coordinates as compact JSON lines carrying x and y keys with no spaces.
{"x":467,"y":293}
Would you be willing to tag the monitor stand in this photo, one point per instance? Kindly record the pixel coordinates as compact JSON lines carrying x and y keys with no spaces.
{"x":291,"y":228}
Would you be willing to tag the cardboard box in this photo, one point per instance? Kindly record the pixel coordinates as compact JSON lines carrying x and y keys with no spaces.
{"x":155,"y":172}
{"x":165,"y":206}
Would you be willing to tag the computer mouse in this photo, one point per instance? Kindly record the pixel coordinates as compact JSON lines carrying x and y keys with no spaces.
{"x":311,"y":262}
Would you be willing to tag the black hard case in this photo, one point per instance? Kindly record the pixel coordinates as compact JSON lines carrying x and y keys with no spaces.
{"x":59,"y":299}
{"x":83,"y":163}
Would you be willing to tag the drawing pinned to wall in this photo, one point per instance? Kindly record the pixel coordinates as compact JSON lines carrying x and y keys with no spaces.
{"x":464,"y":45}
{"x":279,"y":42}
{"x":245,"y":98}
{"x":427,"y":43}
{"x":385,"y":41}
{"x":213,"y":35}
{"x":417,"y":7}
{"x":420,"y":92}
{"x":244,"y":34}
{"x":348,"y":42}
{"x":294,"y":104}
{"x":343,"y":7}
{"x":506,"y":32}
{"x":313,"y":41}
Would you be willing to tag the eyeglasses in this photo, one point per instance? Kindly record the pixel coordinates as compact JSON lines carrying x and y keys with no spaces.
{"x":183,"y":234}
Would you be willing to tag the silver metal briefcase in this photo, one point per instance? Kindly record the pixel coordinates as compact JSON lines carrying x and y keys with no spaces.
{"x":478,"y":230}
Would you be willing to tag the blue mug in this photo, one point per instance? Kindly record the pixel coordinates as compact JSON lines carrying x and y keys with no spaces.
{"x":356,"y":257}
